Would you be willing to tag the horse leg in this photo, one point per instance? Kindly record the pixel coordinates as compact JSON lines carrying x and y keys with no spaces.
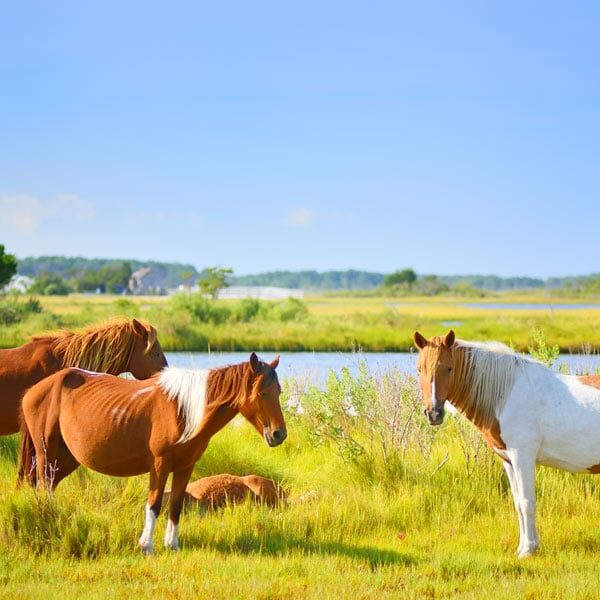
{"x":523,"y":463}
{"x":66,"y":463}
{"x":180,"y":481}
{"x":510,"y":473}
{"x":159,"y":473}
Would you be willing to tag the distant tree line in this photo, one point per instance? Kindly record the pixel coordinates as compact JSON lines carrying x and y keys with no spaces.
{"x":313,"y":280}
{"x":60,"y":274}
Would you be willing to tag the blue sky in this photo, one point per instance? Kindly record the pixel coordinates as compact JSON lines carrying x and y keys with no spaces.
{"x":450,"y":137}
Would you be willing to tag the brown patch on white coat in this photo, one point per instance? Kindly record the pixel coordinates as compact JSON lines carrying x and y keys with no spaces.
{"x":593,"y":381}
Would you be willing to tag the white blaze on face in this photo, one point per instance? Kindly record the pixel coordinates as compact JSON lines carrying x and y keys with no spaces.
{"x":433,"y":393}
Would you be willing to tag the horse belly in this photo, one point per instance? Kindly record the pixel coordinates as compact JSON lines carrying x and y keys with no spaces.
{"x":106,"y":445}
{"x":571,"y":440}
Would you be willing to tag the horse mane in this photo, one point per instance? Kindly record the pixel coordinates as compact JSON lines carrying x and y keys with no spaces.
{"x":196,"y":390}
{"x":106,"y":348}
{"x":483,"y":375}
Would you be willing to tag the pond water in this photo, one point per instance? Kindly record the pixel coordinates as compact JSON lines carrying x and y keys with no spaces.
{"x":315,"y":366}
{"x":528,"y":306}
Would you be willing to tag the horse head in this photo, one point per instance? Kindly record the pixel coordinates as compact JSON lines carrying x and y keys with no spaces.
{"x":147,"y":357}
{"x":435,"y":365}
{"x":262,"y":406}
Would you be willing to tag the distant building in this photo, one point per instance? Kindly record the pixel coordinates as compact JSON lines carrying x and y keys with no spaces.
{"x":261,"y":293}
{"x":18,"y":283}
{"x":147,"y":282}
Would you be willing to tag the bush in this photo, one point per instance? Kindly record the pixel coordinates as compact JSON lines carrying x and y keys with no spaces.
{"x":373,"y":419}
{"x":12,"y":311}
{"x":202,"y":309}
{"x":205,"y":310}
{"x":50,"y":284}
{"x":247,"y":310}
{"x":291,"y":309}
{"x":540,"y":350}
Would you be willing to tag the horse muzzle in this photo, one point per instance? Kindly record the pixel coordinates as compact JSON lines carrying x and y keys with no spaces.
{"x":435,"y":416}
{"x":275,"y":437}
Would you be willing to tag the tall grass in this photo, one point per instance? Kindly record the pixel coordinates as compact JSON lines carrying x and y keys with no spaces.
{"x":193,"y":323}
{"x":381,"y":506}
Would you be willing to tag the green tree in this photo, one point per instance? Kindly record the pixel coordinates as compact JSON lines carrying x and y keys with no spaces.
{"x":405,"y":277}
{"x":116,"y":277}
{"x":214,"y":280}
{"x":8,"y":266}
{"x":50,"y":284}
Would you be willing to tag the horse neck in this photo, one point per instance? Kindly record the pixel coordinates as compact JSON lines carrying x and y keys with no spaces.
{"x":229,"y":386}
{"x":93,"y":353}
{"x":475,"y":392}
{"x":215,"y":418}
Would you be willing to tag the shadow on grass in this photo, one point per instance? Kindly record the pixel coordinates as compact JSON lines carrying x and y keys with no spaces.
{"x":274,"y":544}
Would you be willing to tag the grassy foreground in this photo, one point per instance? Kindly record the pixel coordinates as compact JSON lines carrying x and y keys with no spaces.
{"x":381,"y":506}
{"x":319,"y":323}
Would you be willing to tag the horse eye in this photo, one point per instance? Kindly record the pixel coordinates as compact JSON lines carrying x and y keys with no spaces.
{"x":449,"y":369}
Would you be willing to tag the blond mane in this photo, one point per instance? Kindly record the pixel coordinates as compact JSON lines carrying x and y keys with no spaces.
{"x":482,"y":377}
{"x":106,"y":348}
{"x":195,"y":391}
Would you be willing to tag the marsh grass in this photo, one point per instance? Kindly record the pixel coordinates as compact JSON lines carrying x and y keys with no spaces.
{"x":430,"y":516}
{"x":319,"y":324}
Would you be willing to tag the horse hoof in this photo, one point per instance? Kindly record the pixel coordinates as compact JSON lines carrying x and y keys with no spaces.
{"x":147,"y":549}
{"x":527,"y":552}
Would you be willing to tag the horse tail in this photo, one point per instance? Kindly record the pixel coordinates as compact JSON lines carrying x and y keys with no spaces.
{"x":47,"y":390}
{"x":27,"y":458}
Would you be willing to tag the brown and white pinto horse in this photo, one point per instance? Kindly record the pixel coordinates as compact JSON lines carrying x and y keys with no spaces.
{"x":114,"y":347}
{"x":161,"y":425}
{"x":527,"y":413}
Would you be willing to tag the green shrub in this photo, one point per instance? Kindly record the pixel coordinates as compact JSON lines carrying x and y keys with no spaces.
{"x":247,"y":310}
{"x":13,"y":311}
{"x":290,"y":309}
{"x":540,"y":350}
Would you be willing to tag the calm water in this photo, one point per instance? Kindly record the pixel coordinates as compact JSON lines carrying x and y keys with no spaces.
{"x":315,"y":366}
{"x":528,"y":306}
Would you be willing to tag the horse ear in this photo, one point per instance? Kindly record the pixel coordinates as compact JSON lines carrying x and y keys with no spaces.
{"x":420,"y":341}
{"x":140,"y":328}
{"x":275,"y":363}
{"x":449,"y":339}
{"x":255,"y":363}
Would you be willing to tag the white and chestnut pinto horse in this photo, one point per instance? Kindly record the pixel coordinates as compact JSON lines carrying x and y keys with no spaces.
{"x":161,"y":425}
{"x":527,"y":413}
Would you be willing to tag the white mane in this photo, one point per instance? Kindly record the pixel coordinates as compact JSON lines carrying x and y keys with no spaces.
{"x":488,"y":373}
{"x":188,"y":388}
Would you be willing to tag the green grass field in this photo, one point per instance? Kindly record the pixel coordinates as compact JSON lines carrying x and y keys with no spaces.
{"x":325,"y":323}
{"x":379,"y":508}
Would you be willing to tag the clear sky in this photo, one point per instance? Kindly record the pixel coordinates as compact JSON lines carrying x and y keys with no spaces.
{"x":449,"y":137}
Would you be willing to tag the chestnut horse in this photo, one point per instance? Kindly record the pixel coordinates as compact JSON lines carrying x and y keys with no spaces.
{"x":161,"y":425}
{"x":527,"y":413}
{"x":114,"y":347}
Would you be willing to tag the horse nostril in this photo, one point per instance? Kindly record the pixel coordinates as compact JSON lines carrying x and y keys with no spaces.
{"x":278,"y":435}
